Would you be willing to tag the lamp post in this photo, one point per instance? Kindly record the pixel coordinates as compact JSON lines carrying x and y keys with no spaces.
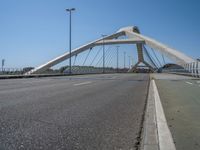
{"x":132,"y":61}
{"x":124,"y":60}
{"x":129,"y":60}
{"x":117,"y":58}
{"x":103,"y":35}
{"x":2,"y":64}
{"x":70,"y":36}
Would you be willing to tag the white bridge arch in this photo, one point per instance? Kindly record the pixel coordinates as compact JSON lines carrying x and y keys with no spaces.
{"x":133,"y":37}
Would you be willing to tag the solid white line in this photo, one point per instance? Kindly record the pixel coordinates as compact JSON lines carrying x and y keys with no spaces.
{"x":83,"y":83}
{"x":164,"y":135}
{"x":189,"y":82}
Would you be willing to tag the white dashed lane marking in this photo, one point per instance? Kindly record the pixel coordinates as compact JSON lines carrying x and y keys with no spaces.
{"x":189,"y":83}
{"x":83,"y":83}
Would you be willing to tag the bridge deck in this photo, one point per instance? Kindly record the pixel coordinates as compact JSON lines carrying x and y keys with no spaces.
{"x":80,"y":112}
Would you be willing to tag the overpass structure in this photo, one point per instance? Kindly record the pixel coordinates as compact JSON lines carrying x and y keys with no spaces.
{"x":133,"y":36}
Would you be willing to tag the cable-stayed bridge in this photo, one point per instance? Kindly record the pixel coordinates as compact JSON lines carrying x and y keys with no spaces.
{"x":117,"y":110}
{"x":145,"y":48}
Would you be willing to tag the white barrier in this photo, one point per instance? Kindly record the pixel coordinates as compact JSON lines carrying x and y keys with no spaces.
{"x":190,"y":69}
{"x":198,"y":69}
{"x":193,"y":68}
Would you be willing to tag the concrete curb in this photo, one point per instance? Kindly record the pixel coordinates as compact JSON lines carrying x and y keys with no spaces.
{"x":29,"y":76}
{"x":2,"y":77}
{"x":156,"y":133}
{"x":38,"y":76}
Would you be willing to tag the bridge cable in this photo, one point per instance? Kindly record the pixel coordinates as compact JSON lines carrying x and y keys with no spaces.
{"x":102,"y":56}
{"x":74,"y":59}
{"x":154,"y":60}
{"x":163,"y":60}
{"x":149,"y":57}
{"x":96,"y":56}
{"x":87,"y":56}
{"x":77,"y":68}
{"x":156,"y":57}
{"x":108,"y":56}
{"x":110,"y":59}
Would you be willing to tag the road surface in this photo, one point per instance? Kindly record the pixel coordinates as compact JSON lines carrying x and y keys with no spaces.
{"x":180,"y":97}
{"x":80,"y":112}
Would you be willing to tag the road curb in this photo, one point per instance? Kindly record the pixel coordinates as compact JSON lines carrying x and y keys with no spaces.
{"x":156,"y":133}
{"x":3,"y":77}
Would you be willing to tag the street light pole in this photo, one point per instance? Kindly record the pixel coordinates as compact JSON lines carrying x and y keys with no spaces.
{"x":124,"y":60}
{"x":2,"y":65}
{"x":103,"y":53}
{"x":70,"y":36}
{"x":117,"y":58}
{"x":129,"y":61}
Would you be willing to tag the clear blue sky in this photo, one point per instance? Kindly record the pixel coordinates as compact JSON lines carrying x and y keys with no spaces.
{"x":35,"y":31}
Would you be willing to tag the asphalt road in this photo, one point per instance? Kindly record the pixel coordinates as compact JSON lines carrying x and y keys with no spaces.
{"x":180,"y":97}
{"x":80,"y":112}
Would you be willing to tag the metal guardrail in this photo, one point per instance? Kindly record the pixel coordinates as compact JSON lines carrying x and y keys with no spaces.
{"x":76,"y":70}
{"x":191,"y":69}
{"x":11,"y":71}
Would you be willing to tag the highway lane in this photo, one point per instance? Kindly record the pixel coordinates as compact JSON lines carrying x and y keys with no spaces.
{"x":180,"y":97}
{"x":78,"y":112}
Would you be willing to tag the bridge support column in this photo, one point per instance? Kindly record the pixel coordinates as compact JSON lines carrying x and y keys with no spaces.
{"x":139,"y":47}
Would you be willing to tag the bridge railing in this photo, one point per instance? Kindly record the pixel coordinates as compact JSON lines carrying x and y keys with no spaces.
{"x":193,"y":68}
{"x":190,"y":69}
{"x":11,"y":71}
{"x":94,"y":70}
